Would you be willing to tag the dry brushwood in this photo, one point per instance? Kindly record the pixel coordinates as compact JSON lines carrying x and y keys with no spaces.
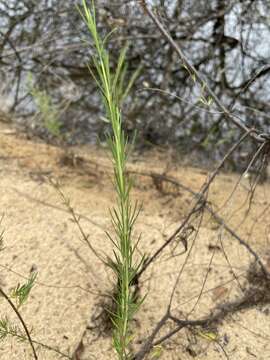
{"x":257,"y":291}
{"x":199,"y":205}
{"x":261,"y":138}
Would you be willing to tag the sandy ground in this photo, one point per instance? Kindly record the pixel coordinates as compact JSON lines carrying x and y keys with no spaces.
{"x":64,"y":309}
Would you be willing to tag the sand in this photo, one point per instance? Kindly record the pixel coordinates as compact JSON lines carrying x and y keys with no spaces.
{"x":65,"y":307}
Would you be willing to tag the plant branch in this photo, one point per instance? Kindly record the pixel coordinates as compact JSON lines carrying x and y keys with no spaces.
{"x":2,"y":292}
{"x":253,"y":133}
{"x":199,"y":204}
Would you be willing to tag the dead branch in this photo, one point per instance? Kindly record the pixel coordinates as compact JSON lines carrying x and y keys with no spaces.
{"x":198,"y":206}
{"x":258,"y":293}
{"x":253,"y":133}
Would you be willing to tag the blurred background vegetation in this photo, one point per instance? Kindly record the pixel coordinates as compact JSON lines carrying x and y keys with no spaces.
{"x":226,"y":40}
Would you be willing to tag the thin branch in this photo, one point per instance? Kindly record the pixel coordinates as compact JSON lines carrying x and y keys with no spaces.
{"x":146,"y":348}
{"x":196,"y":208}
{"x":76,"y":220}
{"x":217,"y":217}
{"x":2,"y":292}
{"x":253,"y":133}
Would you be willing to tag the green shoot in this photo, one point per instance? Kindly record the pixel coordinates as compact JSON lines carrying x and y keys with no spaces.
{"x":7,"y":329}
{"x":114,"y":89}
{"x":48,"y":112}
{"x":21,"y":292}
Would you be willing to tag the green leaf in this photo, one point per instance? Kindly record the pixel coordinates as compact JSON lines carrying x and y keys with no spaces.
{"x":156,"y":352}
{"x":21,"y":292}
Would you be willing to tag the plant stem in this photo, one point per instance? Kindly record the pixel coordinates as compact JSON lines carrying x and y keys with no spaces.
{"x":22,"y":322}
{"x":124,"y":214}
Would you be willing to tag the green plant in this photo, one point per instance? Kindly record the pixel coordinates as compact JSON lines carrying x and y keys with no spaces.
{"x":48,"y":112}
{"x":20,"y":294}
{"x":6,"y":327}
{"x":111,"y":85}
